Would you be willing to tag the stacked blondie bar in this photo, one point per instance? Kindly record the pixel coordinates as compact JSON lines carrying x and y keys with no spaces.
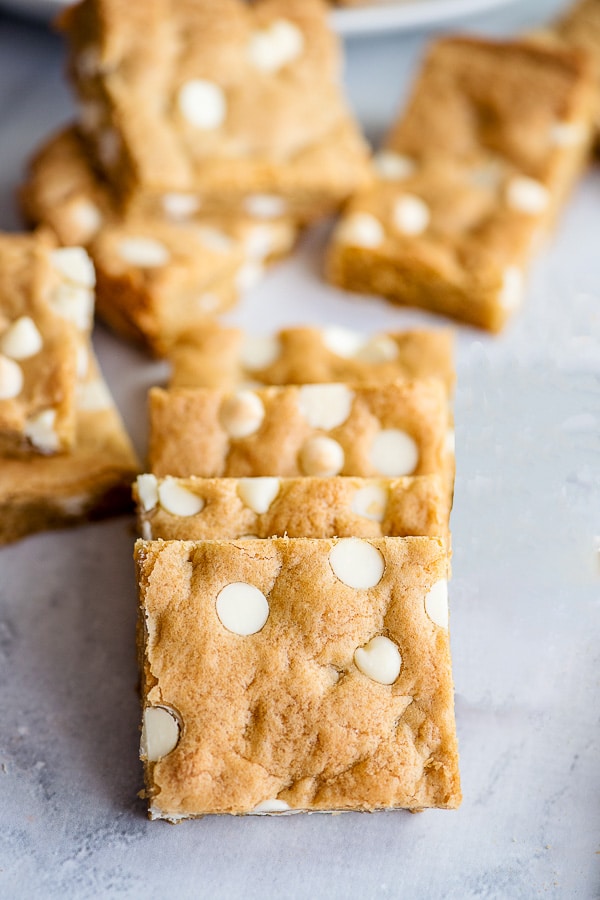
{"x":293,"y":630}
{"x":65,"y":456}
{"x":198,"y":154}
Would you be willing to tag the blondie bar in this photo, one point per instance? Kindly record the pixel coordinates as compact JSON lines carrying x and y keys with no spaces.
{"x":194,"y":509}
{"x":470,"y":178}
{"x":46,"y":308}
{"x":158,"y":278}
{"x":229,"y":106}
{"x":226,"y":358}
{"x":295,"y":675}
{"x":91,"y":482}
{"x":580,"y":27}
{"x":321,"y":430}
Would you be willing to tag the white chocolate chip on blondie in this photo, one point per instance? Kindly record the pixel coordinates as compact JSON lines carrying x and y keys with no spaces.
{"x":357,"y":563}
{"x":242,"y":608}
{"x":178,"y":500}
{"x":321,"y":456}
{"x":394,"y":453}
{"x":242,"y":414}
{"x":325,"y":405}
{"x":22,"y":339}
{"x":148,"y":253}
{"x":203,"y":104}
{"x":160,"y":733}
{"x":11,"y":378}
{"x":436,"y":604}
{"x":370,"y":502}
{"x":411,"y":215}
{"x":379,"y":659}
{"x":258,"y":493}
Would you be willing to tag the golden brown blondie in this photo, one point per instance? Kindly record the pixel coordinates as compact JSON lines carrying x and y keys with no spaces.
{"x":470,"y":178}
{"x":322,"y":666}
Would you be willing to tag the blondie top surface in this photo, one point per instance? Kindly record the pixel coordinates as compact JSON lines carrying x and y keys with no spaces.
{"x":46,"y":307}
{"x":322,"y":666}
{"x":231,"y":508}
{"x":321,"y":430}
{"x":211,"y":98}
{"x":92,"y":481}
{"x":470,"y":177}
{"x":227,"y":357}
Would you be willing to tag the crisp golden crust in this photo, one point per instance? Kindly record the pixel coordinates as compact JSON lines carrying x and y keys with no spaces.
{"x":224,"y":358}
{"x":473,"y":173}
{"x":192,"y":432}
{"x":91,"y":482}
{"x":285,"y":713}
{"x":220,"y":100}
{"x":38,"y":360}
{"x":292,"y":507}
{"x":159,"y":276}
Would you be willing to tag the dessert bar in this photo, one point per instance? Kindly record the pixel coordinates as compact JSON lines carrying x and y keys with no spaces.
{"x":295,"y":675}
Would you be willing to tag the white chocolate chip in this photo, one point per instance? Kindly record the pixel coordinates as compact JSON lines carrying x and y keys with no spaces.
{"x":242,"y":414}
{"x":342,"y":341}
{"x":87,"y":218}
{"x":394,"y":166}
{"x":160,"y":733}
{"x":325,"y":405}
{"x":92,"y":396}
{"x":145,"y":252}
{"x":180,"y":206}
{"x":568,"y":134}
{"x":379,"y":660}
{"x":242,"y":608}
{"x":259,"y":352}
{"x":321,"y":457}
{"x":40,"y":431}
{"x":74,"y":264}
{"x":203,"y":104}
{"x":411,"y":215}
{"x":214,"y":240}
{"x":270,"y":806}
{"x":21,"y":340}
{"x":258,"y":493}
{"x":370,"y":502}
{"x":394,"y":453}
{"x":74,"y":303}
{"x":108,"y":147}
{"x":82,"y":361}
{"x":208,"y":303}
{"x":262,"y":241}
{"x":147,"y":488}
{"x":360,"y":229}
{"x":357,"y":563}
{"x":511,"y":291}
{"x":450,"y":442}
{"x":526,"y":195}
{"x":277,"y":45}
{"x":249,"y":275}
{"x":177,"y":500}
{"x":379,"y":349}
{"x":11,"y":378}
{"x":436,"y":603}
{"x":265,"y":206}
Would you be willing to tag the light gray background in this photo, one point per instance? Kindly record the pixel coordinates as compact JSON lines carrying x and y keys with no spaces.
{"x":525,"y":599}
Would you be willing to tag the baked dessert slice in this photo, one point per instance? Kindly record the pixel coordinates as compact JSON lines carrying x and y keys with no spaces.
{"x":46,"y":309}
{"x":470,"y":178}
{"x":391,"y":430}
{"x":234,"y":107}
{"x":192,"y":509}
{"x":294,"y":675}
{"x":159,"y":277}
{"x":92,"y":481}
{"x":227,"y":358}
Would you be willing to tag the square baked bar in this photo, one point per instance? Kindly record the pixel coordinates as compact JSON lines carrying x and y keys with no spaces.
{"x":193,"y":509}
{"x":470,"y":178}
{"x":393,"y":430}
{"x":235,"y":107}
{"x":227,"y":358}
{"x":160,"y":277}
{"x":322,"y":666}
{"x":91,"y":482}
{"x":46,"y":308}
